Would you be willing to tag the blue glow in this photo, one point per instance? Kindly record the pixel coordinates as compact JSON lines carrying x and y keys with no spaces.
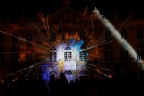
{"x":44,"y":72}
{"x":75,"y":46}
{"x":86,"y":53}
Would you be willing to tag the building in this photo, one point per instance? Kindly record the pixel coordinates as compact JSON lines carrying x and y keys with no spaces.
{"x":26,"y":42}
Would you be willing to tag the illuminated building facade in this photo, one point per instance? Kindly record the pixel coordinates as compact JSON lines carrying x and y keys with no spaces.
{"x":68,"y":40}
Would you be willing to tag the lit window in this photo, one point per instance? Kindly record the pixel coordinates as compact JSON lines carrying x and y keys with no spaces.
{"x":68,"y":54}
{"x":140,"y":54}
{"x":83,"y":56}
{"x":53,"y":56}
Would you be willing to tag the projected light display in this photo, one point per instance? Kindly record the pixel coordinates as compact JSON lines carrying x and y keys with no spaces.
{"x":68,"y":56}
{"x":60,"y":47}
{"x":117,"y":36}
{"x":70,"y":65}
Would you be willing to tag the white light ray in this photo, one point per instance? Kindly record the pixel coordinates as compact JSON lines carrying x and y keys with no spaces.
{"x":117,"y":36}
{"x":22,"y":39}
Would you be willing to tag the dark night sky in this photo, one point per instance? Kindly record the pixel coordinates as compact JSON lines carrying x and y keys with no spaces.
{"x":29,"y":8}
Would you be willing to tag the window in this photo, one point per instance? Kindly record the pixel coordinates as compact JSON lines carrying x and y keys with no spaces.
{"x":53,"y":56}
{"x":140,"y":44}
{"x":15,"y":58}
{"x":1,"y":38}
{"x":14,"y":38}
{"x":140,"y":33}
{"x":124,"y":33}
{"x":83,"y":56}
{"x":68,"y":72}
{"x":83,"y":73}
{"x":1,"y":55}
{"x":1,"y":59}
{"x":52,"y":36}
{"x":81,"y":35}
{"x":29,"y":37}
{"x":108,"y":55}
{"x":140,"y":54}
{"x":52,"y":72}
{"x":124,"y":55}
{"x":29,"y":57}
{"x":14,"y":55}
{"x":108,"y":35}
{"x":68,"y":54}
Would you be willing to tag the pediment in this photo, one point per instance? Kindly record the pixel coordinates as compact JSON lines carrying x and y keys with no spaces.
{"x":66,"y":15}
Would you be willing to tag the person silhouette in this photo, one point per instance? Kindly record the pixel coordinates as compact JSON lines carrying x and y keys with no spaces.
{"x":52,"y":85}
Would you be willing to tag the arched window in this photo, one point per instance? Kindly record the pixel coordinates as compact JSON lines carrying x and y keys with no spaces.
{"x":68,"y":54}
{"x":67,"y":48}
{"x":52,"y":72}
{"x":68,"y":72}
{"x":83,"y":56}
{"x":53,"y":54}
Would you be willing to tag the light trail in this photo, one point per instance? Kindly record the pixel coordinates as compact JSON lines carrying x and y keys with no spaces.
{"x":102,"y":35}
{"x":39,"y":33}
{"x":29,"y":70}
{"x":117,"y":36}
{"x":34,"y":35}
{"x":96,"y":45}
{"x":22,"y":39}
{"x":47,"y":27}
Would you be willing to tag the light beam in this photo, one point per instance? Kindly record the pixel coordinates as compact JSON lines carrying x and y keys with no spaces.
{"x":117,"y":36}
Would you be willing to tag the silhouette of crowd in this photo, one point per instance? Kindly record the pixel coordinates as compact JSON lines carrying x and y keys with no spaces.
{"x":127,"y":82}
